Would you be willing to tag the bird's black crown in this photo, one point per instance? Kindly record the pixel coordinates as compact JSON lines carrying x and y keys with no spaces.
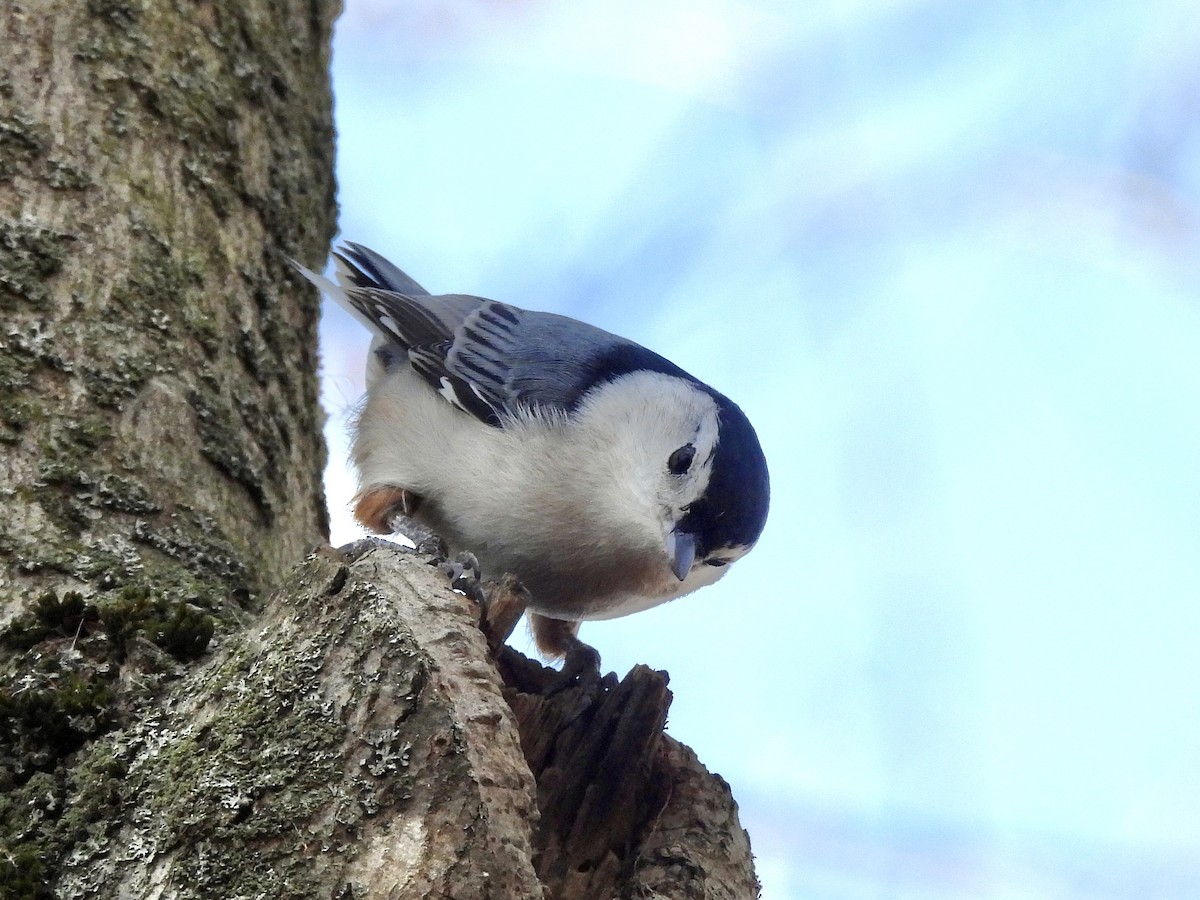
{"x":733,"y":511}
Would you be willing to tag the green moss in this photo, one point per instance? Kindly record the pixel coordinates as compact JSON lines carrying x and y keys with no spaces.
{"x":176,"y":627}
{"x":96,"y":788}
{"x":182,"y":631}
{"x":59,"y":697}
{"x":50,"y":615}
{"x":169,"y":619}
{"x":44,"y":724}
{"x":56,"y":698}
{"x":123,"y":617}
{"x":23,"y":873}
{"x":29,"y":256}
{"x":172,"y":624}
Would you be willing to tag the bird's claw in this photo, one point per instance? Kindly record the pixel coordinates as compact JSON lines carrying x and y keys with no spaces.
{"x":581,"y":664}
{"x":422,"y":539}
{"x":463,"y":572}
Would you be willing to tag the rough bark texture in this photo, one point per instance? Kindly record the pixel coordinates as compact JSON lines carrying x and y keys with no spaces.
{"x":172,"y":726}
{"x":160,"y":444}
{"x":355,"y":743}
{"x":157,"y":363}
{"x":358,"y":741}
{"x":626,"y":811}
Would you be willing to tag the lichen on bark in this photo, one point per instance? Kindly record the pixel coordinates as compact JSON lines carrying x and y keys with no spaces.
{"x":360,"y":719}
{"x":161,"y":430}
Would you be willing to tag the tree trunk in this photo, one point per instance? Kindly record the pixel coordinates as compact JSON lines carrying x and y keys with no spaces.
{"x":182,"y":712}
{"x":158,"y":161}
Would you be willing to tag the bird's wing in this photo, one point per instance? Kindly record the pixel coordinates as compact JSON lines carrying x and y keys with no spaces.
{"x":489,"y":359}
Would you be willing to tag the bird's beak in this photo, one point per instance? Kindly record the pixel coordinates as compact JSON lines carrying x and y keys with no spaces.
{"x":681,"y":548}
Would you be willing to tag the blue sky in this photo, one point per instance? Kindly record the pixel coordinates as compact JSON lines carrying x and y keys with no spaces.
{"x":945,"y":257}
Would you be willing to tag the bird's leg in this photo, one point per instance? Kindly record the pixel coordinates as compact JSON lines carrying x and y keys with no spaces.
{"x":555,"y":637}
{"x":376,"y":506}
{"x":385,"y":509}
{"x":560,"y":638}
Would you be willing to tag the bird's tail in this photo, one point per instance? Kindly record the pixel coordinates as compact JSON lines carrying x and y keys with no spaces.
{"x":358,"y":267}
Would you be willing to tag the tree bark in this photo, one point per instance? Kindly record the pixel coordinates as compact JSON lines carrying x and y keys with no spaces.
{"x":184,"y":714}
{"x":359,"y":742}
{"x":159,"y":424}
{"x":158,"y":161}
{"x":354,"y":744}
{"x":626,"y":811}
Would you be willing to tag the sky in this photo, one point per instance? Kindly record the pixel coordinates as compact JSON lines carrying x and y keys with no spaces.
{"x":944,"y":255}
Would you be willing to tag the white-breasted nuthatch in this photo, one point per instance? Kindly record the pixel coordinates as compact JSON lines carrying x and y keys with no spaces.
{"x":603,"y":476}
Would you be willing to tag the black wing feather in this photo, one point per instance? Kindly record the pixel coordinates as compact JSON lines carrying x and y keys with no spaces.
{"x":366,"y":268}
{"x":487,"y":358}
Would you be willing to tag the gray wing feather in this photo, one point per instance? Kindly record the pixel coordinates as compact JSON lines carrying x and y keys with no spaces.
{"x":489,"y":359}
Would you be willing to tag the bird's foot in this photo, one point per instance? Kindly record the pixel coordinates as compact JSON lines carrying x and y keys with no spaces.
{"x":560,"y":638}
{"x":463,"y":572}
{"x":581,"y":667}
{"x":387,"y":509}
{"x":501,"y":603}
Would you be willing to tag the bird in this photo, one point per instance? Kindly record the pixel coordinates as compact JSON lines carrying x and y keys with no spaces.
{"x":601,"y":475}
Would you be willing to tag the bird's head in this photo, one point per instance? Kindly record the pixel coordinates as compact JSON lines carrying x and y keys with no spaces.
{"x":692,"y":468}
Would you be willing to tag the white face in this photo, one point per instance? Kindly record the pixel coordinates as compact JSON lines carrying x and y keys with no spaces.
{"x":660,"y":434}
{"x":683,"y":472}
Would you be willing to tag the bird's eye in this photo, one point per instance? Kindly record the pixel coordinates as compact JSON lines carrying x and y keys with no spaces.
{"x":717,"y":562}
{"x":681,"y":460}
